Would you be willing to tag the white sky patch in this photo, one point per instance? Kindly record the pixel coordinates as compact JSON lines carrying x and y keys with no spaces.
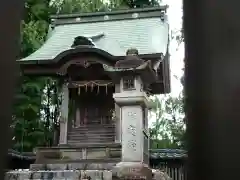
{"x":174,"y":13}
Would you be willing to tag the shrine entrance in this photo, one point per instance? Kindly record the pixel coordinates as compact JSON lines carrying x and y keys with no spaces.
{"x":91,"y":103}
{"x":91,"y":107}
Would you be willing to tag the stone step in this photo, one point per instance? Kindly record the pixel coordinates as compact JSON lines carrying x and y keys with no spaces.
{"x":92,"y":130}
{"x":79,"y":142}
{"x":97,"y":127}
{"x":91,"y":134}
{"x":70,"y":141}
{"x":84,"y":143}
{"x":97,"y":139}
{"x":89,"y":145}
{"x":91,"y":138}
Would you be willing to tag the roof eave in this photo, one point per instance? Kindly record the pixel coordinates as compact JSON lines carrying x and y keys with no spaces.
{"x":154,"y":56}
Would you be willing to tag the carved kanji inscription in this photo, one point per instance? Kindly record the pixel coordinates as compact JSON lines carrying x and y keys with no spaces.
{"x":132,"y":144}
{"x":132,"y":131}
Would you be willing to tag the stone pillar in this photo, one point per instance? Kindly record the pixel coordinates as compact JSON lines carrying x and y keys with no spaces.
{"x":133,"y":103}
{"x":64,"y":115}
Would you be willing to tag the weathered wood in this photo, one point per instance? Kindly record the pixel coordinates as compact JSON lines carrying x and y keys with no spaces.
{"x":64,"y":115}
{"x":91,"y":134}
{"x":212,"y":88}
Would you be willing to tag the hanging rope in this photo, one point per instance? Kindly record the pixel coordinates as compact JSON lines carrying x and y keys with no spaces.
{"x":91,"y":84}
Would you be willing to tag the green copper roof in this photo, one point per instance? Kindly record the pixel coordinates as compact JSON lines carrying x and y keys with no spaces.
{"x":149,"y":35}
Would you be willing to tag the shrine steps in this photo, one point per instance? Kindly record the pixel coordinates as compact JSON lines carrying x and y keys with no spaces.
{"x":94,"y":140}
{"x":95,"y":126}
{"x":91,"y":134}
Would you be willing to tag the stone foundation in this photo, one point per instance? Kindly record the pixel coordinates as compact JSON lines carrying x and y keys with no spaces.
{"x":73,"y":175}
{"x":59,"y":175}
{"x":72,"y":166}
{"x":69,"y":153}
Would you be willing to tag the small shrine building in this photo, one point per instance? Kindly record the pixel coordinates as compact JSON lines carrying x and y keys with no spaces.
{"x":108,"y":65}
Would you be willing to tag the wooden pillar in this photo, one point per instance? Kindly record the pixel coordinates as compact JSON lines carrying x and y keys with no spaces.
{"x":77,"y":109}
{"x":64,"y":115}
{"x":72,"y":107}
{"x":118,"y":136}
{"x":78,"y":116}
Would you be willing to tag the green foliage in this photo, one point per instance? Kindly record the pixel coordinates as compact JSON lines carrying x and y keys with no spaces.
{"x":141,"y":3}
{"x":32,"y":36}
{"x":26,"y":113}
{"x":80,"y":6}
{"x":83,"y":6}
{"x":28,"y":126}
{"x":168,"y":130}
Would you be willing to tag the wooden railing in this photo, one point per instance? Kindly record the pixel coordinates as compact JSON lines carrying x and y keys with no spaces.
{"x":175,"y":172}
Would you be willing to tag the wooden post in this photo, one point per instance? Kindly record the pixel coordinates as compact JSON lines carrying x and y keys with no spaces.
{"x":118,"y":136}
{"x":64,"y":115}
{"x":78,"y":117}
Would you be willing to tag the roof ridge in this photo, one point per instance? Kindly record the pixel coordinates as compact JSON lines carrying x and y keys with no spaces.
{"x":117,"y":12}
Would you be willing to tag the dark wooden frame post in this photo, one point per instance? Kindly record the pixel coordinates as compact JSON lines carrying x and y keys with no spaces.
{"x":212,"y":88}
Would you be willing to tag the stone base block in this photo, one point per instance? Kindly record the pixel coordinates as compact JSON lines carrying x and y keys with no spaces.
{"x":72,"y":166}
{"x":132,"y":170}
{"x":59,"y":175}
{"x":121,"y":172}
{"x":86,"y":152}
